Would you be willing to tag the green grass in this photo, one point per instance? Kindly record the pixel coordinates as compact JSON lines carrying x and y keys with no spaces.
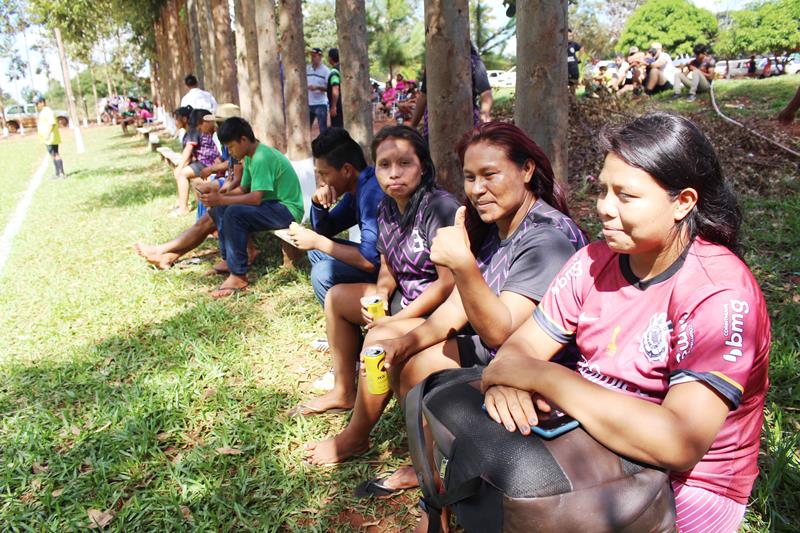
{"x":21,"y":156}
{"x":121,"y":382}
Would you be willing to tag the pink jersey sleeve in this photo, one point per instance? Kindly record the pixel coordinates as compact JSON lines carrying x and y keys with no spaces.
{"x":559,"y":309}
{"x":719,"y":341}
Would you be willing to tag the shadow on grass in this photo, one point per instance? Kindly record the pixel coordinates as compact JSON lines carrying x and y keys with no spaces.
{"x":131,"y":194}
{"x":146,"y":422}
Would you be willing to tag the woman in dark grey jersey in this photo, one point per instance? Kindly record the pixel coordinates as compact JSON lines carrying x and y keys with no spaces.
{"x":409,"y":283}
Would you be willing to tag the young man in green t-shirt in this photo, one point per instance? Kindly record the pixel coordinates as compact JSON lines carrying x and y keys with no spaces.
{"x":269,"y":197}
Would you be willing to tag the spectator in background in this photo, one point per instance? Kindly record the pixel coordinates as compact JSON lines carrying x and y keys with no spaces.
{"x":700,"y":76}
{"x":481,"y":95}
{"x":573,"y":73}
{"x":317,"y":76}
{"x":751,"y":67}
{"x":197,"y":98}
{"x":335,"y":89}
{"x":47,"y":128}
{"x":199,"y":151}
{"x":660,"y":70}
{"x":622,"y":80}
{"x":767,"y":71}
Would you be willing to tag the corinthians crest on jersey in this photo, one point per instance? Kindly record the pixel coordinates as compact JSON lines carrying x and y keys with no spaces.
{"x":655,"y":340}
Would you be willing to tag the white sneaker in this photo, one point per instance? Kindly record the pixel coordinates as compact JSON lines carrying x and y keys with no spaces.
{"x":320,"y":345}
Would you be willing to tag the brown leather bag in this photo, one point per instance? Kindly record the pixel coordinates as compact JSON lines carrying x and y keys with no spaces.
{"x":497,"y":481}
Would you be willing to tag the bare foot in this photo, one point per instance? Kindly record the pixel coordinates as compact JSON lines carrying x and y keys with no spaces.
{"x":335,"y":450}
{"x":145,"y":249}
{"x":220,"y":267}
{"x":403,"y":478}
{"x":326,"y":402}
{"x":161,"y":261}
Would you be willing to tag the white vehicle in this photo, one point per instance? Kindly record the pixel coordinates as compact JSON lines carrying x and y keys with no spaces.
{"x":495,"y":77}
{"x":507,"y":78}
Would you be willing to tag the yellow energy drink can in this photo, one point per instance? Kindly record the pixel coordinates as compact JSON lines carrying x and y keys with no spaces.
{"x":377,"y":378}
{"x":375,"y":307}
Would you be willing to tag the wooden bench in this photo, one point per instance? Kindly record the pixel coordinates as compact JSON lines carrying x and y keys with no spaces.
{"x":169,"y":155}
{"x":291,"y":255}
{"x":154,"y":141}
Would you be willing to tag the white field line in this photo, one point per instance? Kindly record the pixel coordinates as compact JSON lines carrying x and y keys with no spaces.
{"x":14,"y":225}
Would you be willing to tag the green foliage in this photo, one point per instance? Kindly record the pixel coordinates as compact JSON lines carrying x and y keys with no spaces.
{"x":396,"y":35}
{"x":771,"y":27}
{"x":594,"y":36}
{"x":488,"y":34}
{"x":676,"y":24}
{"x":319,"y":25}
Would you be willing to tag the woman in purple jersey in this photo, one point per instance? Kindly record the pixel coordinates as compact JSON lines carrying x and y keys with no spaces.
{"x":409,"y":283}
{"x":505,"y":248}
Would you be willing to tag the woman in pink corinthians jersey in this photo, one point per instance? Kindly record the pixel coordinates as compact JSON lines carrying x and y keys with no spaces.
{"x":671,"y":326}
{"x":410,"y":284}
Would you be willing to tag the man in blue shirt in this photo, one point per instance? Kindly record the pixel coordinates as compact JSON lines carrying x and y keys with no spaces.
{"x":349,"y":194}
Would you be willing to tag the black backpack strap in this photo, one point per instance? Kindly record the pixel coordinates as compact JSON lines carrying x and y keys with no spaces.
{"x":434,"y":502}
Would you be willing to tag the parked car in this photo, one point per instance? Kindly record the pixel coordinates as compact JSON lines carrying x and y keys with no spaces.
{"x":507,"y":78}
{"x":496,"y":78}
{"x":25,"y":116}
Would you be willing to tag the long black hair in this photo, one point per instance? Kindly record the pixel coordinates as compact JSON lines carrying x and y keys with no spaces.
{"x":678,"y":156}
{"x":428,"y":180}
{"x":196,"y":117}
{"x":518,"y":148}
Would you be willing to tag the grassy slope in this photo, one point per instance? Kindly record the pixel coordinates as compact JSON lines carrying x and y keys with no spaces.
{"x":20,"y":156}
{"x":121,"y":382}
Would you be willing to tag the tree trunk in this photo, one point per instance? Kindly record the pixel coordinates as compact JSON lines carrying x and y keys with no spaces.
{"x":185,"y":49}
{"x":106,"y":67}
{"x":158,"y":63}
{"x":269,"y":70}
{"x":541,"y":108}
{"x":355,"y":91}
{"x":224,"y":48}
{"x":449,"y":86}
{"x":207,"y":50}
{"x":243,"y":74}
{"x":94,"y":90}
{"x":247,"y":62}
{"x":73,"y":113}
{"x":296,"y":85}
{"x":194,"y":38}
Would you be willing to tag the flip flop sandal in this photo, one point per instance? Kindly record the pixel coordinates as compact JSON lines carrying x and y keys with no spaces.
{"x":320,"y":345}
{"x":302,"y":409}
{"x":230,"y":291}
{"x":375,"y":488}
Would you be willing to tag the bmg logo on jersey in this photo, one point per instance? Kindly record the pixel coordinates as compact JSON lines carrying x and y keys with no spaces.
{"x":574,"y":271}
{"x":733,"y":328}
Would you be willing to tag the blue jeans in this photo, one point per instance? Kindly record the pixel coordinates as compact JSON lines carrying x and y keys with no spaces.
{"x":236,"y":222}
{"x":320,"y":112}
{"x":327,"y":271}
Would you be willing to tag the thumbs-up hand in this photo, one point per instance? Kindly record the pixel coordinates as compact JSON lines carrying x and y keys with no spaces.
{"x":450,"y":247}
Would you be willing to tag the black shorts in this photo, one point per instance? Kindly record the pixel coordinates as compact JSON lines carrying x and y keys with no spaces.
{"x":52,"y":149}
{"x":471,"y":351}
{"x":196,"y":166}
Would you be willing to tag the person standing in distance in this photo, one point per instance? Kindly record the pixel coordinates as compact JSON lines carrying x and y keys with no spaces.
{"x":317,"y":76}
{"x":573,"y":73}
{"x":335,"y":89}
{"x":47,"y":127}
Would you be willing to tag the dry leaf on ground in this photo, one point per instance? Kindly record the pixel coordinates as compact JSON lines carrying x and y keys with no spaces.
{"x":99,"y":518}
{"x":56,"y":493}
{"x":229,"y":451}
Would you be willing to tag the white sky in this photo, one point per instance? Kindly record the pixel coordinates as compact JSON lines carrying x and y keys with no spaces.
{"x":40,"y":83}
